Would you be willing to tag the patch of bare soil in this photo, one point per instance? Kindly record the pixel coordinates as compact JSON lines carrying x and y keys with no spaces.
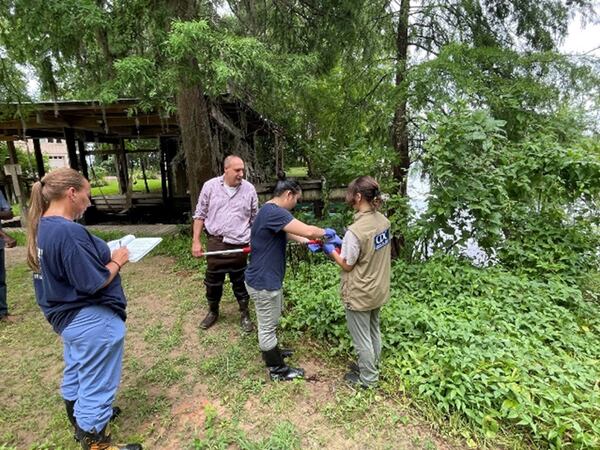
{"x":15,"y":255}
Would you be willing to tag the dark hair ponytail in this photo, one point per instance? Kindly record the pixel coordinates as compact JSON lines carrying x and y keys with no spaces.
{"x":283,"y":185}
{"x":366,"y":186}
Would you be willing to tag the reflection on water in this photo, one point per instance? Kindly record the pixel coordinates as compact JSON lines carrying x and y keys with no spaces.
{"x":418,"y":194}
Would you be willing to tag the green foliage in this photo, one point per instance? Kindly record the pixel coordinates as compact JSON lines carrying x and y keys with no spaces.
{"x":341,"y":146}
{"x":532,"y":203}
{"x":507,"y":353}
{"x":313,"y":289}
{"x":26,"y":160}
{"x":12,"y":82}
{"x":223,"y":434}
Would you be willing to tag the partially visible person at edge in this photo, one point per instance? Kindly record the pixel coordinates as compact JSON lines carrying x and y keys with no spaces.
{"x":365,"y":260}
{"x":78,"y":287}
{"x":226,"y":207}
{"x":273,"y":226}
{"x":8,"y":242}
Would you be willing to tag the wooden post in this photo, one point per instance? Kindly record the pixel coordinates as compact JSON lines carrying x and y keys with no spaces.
{"x":82,"y":161}
{"x":13,"y":169}
{"x":176,"y":177}
{"x":162,"y":143}
{"x":276,"y":155}
{"x":71,"y":149}
{"x":122,"y":169}
{"x":39,"y":159}
{"x":143,"y":167}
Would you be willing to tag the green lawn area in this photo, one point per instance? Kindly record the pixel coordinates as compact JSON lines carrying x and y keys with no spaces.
{"x":296,"y":172}
{"x":16,"y":209}
{"x":112,"y":188}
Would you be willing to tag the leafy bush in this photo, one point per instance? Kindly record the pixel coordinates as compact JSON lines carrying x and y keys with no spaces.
{"x":26,"y":160}
{"x":502,"y":351}
{"x":530,"y":203}
{"x":98,"y":182}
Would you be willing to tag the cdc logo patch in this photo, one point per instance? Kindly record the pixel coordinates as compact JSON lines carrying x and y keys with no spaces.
{"x":382,"y":239}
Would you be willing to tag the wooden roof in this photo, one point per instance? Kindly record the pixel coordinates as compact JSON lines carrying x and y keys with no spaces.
{"x":93,"y":121}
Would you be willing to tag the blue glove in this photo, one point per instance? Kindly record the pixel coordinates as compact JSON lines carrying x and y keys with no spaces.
{"x":337,"y":241}
{"x":329,"y":234}
{"x":314,"y":248}
{"x":328,"y":249}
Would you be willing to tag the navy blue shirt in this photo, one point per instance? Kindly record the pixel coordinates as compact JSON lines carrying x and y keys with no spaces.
{"x":268,"y":241}
{"x":72,"y":272}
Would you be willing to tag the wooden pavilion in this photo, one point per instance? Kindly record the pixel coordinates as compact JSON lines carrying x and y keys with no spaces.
{"x":236,"y":129}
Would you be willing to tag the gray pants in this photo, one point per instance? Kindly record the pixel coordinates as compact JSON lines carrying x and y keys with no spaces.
{"x":268,"y":305}
{"x":364,"y":329}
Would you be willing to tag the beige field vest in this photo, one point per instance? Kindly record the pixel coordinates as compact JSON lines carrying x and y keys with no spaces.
{"x":367,"y":285}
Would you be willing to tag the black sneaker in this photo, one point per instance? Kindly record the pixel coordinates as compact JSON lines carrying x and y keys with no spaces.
{"x":353,"y":367}
{"x":353,"y":379}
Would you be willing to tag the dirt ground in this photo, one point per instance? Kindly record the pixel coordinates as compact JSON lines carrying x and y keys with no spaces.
{"x":183,"y":387}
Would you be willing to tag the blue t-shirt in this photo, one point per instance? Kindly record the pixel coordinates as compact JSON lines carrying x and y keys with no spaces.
{"x":4,"y":206}
{"x":72,"y":272}
{"x":268,"y":241}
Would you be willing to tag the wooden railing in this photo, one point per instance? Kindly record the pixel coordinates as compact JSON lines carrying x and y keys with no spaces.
{"x":312,"y":192}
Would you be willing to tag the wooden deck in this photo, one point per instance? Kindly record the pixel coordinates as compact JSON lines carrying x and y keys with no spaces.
{"x":159,"y":229}
{"x":312,"y":191}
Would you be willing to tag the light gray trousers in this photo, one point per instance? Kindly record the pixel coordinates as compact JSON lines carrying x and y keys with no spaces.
{"x":268,"y":305}
{"x":364,"y":329}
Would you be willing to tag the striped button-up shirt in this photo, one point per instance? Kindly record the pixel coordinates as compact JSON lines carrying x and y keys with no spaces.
{"x":226,"y":215}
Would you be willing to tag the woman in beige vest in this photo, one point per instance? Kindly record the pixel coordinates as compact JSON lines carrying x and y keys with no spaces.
{"x":365,"y":260}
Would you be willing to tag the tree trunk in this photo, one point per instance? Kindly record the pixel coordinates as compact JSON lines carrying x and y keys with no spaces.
{"x":193,"y":110}
{"x":400,"y":125}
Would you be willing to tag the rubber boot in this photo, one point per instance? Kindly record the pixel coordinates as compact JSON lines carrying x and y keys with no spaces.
{"x":278,"y":370}
{"x":102,"y":441}
{"x":70,"y":407}
{"x":245,"y":321}
{"x":286,"y":352}
{"x":211,"y":317}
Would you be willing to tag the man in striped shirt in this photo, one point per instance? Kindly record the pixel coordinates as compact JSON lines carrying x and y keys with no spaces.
{"x":226,"y":208}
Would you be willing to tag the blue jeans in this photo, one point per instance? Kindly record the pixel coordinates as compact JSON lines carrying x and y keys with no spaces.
{"x":3,"y":304}
{"x":93,"y":353}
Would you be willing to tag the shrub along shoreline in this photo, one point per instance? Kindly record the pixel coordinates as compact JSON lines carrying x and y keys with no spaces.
{"x":504,"y":352}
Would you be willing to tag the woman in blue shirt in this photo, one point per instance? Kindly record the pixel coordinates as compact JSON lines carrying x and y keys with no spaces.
{"x":271,"y":229}
{"x":78,"y":288}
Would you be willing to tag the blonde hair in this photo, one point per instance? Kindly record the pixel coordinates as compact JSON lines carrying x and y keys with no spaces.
{"x":51,"y":187}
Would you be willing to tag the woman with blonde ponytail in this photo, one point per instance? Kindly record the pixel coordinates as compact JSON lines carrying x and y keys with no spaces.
{"x":78,"y":288}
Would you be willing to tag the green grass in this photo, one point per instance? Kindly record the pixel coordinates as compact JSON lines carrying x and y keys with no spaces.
{"x":16,"y":209}
{"x":112,"y":188}
{"x":185,"y":387}
{"x":296,"y":172}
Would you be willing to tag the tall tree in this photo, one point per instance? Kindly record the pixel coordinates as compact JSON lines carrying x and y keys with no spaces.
{"x":100,"y":49}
